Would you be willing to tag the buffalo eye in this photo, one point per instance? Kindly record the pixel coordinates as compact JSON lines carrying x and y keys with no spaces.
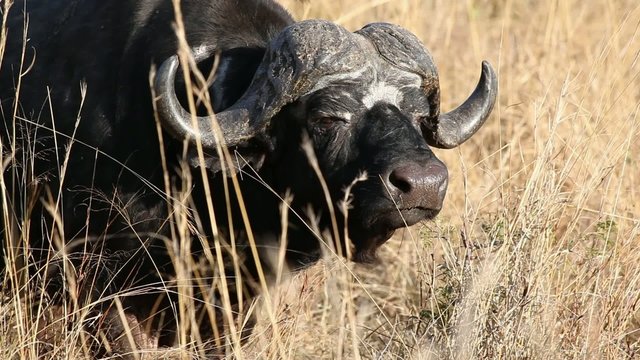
{"x":323,"y":123}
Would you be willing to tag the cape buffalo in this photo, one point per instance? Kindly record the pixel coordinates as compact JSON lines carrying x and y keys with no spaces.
{"x":88,"y":180}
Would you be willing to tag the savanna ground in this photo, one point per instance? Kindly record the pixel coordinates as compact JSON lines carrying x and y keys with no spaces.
{"x":535,"y":254}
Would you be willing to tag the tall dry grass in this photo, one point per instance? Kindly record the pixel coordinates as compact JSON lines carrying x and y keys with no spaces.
{"x":535,"y":253}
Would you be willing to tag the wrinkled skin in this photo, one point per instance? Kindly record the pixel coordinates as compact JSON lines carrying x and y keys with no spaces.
{"x":349,"y":139}
{"x":375,"y":115}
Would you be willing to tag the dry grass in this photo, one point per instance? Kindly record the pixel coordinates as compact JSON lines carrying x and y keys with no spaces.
{"x":535,"y":254}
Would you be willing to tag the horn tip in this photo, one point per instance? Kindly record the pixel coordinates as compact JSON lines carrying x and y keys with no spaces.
{"x":490,"y":76}
{"x":488,"y":72}
{"x":166,"y":73}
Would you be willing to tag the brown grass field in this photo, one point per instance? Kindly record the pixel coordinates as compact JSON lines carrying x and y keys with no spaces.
{"x":536,"y":254}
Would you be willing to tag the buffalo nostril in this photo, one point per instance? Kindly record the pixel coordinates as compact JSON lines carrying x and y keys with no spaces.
{"x":401,"y":179}
{"x":419,"y":185}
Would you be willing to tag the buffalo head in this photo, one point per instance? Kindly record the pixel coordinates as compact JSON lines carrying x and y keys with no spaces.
{"x":369,"y":102}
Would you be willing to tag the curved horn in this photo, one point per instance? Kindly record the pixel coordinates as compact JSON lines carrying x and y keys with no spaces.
{"x":234,"y":122}
{"x":457,"y":126}
{"x":405,"y":51}
{"x":294,"y":63}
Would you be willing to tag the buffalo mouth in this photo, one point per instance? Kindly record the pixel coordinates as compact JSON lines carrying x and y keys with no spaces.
{"x":368,"y":236}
